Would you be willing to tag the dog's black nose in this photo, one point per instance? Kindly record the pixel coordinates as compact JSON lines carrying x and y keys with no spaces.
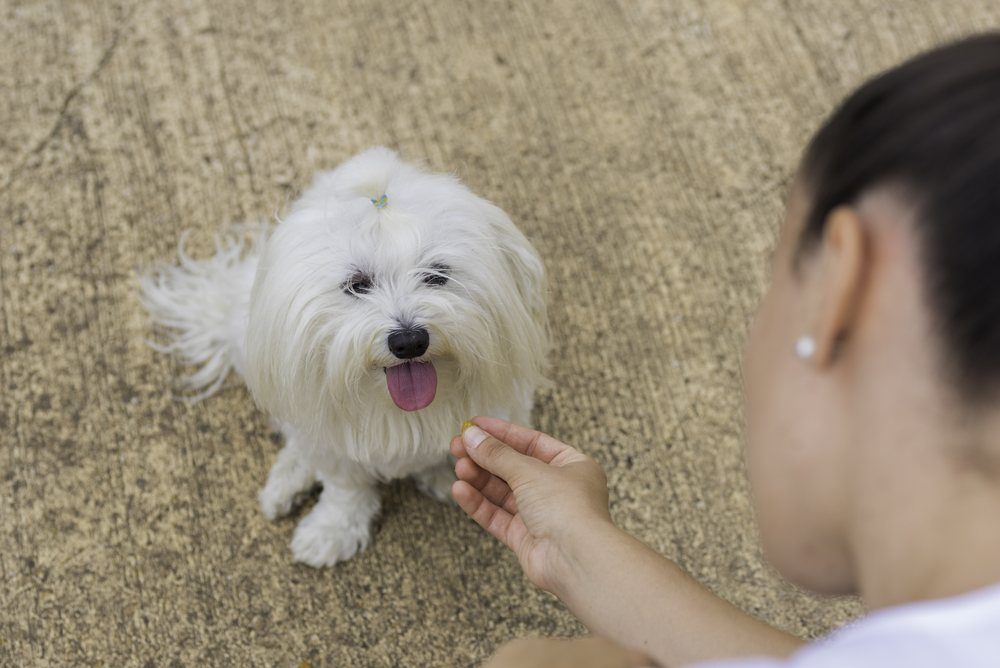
{"x":409,"y":343}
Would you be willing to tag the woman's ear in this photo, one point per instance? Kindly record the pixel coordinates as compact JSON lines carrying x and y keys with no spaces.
{"x":841,"y":282}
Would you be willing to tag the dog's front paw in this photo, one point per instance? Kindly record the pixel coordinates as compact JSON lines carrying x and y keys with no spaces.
{"x":436,"y":481}
{"x":327,"y":536}
{"x":288,"y":484}
{"x":275,"y":502}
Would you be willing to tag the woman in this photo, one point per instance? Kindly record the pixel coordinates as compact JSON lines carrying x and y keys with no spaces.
{"x":873,"y":412}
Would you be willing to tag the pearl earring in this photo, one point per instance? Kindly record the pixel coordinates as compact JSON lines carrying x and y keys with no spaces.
{"x":805,"y":347}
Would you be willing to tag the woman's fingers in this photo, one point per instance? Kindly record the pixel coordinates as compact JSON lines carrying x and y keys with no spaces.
{"x":457,"y":448}
{"x":526,"y":441}
{"x":492,"y":487}
{"x":497,"y":457}
{"x":498,"y":522}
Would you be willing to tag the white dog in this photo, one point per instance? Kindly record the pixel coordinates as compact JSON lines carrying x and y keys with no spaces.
{"x":386,"y":308}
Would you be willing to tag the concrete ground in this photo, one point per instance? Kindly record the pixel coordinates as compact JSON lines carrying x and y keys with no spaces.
{"x":644,"y":147}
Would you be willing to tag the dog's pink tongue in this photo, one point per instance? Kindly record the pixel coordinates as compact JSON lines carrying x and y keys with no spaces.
{"x":412,"y":384}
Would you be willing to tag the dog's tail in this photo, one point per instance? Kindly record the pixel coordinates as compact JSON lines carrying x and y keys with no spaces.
{"x":200,"y":307}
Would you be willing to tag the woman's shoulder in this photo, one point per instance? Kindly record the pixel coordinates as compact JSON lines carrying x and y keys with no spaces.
{"x":959,"y":631}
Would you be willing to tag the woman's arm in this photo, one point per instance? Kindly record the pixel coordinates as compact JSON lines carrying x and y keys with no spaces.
{"x":548,"y":503}
{"x":622,"y":589}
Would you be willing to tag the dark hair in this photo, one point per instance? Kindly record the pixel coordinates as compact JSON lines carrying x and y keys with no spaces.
{"x":932,"y":127}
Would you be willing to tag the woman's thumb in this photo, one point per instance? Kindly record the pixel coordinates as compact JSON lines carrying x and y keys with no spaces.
{"x":493,"y":455}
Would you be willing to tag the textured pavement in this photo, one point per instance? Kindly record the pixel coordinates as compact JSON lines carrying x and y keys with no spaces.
{"x":644,"y":147}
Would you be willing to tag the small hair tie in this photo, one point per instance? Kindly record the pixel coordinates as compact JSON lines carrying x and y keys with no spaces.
{"x":380,"y":202}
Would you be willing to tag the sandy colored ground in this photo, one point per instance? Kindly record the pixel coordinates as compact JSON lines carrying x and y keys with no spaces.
{"x":644,"y":147}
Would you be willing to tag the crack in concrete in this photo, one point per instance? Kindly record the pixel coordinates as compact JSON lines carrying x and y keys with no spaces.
{"x":68,"y":99}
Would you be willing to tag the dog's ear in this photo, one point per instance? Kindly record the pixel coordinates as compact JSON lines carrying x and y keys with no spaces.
{"x":265,"y":352}
{"x":529,"y":323}
{"x":523,"y":263}
{"x":283,"y":332}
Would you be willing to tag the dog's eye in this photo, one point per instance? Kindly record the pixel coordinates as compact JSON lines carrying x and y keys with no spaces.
{"x":438,"y":275}
{"x":359,"y":284}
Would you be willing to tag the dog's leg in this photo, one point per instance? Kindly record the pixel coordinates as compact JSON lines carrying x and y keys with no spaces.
{"x":289,"y":479}
{"x":436,"y":481}
{"x":339,"y":526}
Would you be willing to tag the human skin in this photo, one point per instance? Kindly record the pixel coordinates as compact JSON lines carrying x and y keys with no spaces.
{"x":592,"y":652}
{"x":869,"y":474}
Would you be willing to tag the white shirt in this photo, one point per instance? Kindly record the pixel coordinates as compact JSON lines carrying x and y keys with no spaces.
{"x":958,"y":632}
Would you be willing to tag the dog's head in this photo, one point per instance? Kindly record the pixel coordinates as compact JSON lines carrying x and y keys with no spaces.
{"x":387,"y":287}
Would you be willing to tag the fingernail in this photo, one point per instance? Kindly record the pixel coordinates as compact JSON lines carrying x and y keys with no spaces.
{"x":466,"y":425}
{"x":472,"y":436}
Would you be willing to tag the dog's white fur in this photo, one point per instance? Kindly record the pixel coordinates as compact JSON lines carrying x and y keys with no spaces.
{"x":314,"y":356}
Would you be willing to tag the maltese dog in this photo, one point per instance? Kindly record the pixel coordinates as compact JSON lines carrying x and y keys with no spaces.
{"x":387,"y":307}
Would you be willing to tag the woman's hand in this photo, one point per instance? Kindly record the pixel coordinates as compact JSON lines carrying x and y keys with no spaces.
{"x":549,"y":504}
{"x":557,"y":653}
{"x":542,"y":498}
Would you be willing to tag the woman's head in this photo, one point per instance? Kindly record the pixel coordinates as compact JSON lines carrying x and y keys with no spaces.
{"x":889,"y":267}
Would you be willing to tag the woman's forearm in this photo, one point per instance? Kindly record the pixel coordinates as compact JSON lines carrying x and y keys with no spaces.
{"x":622,"y":589}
